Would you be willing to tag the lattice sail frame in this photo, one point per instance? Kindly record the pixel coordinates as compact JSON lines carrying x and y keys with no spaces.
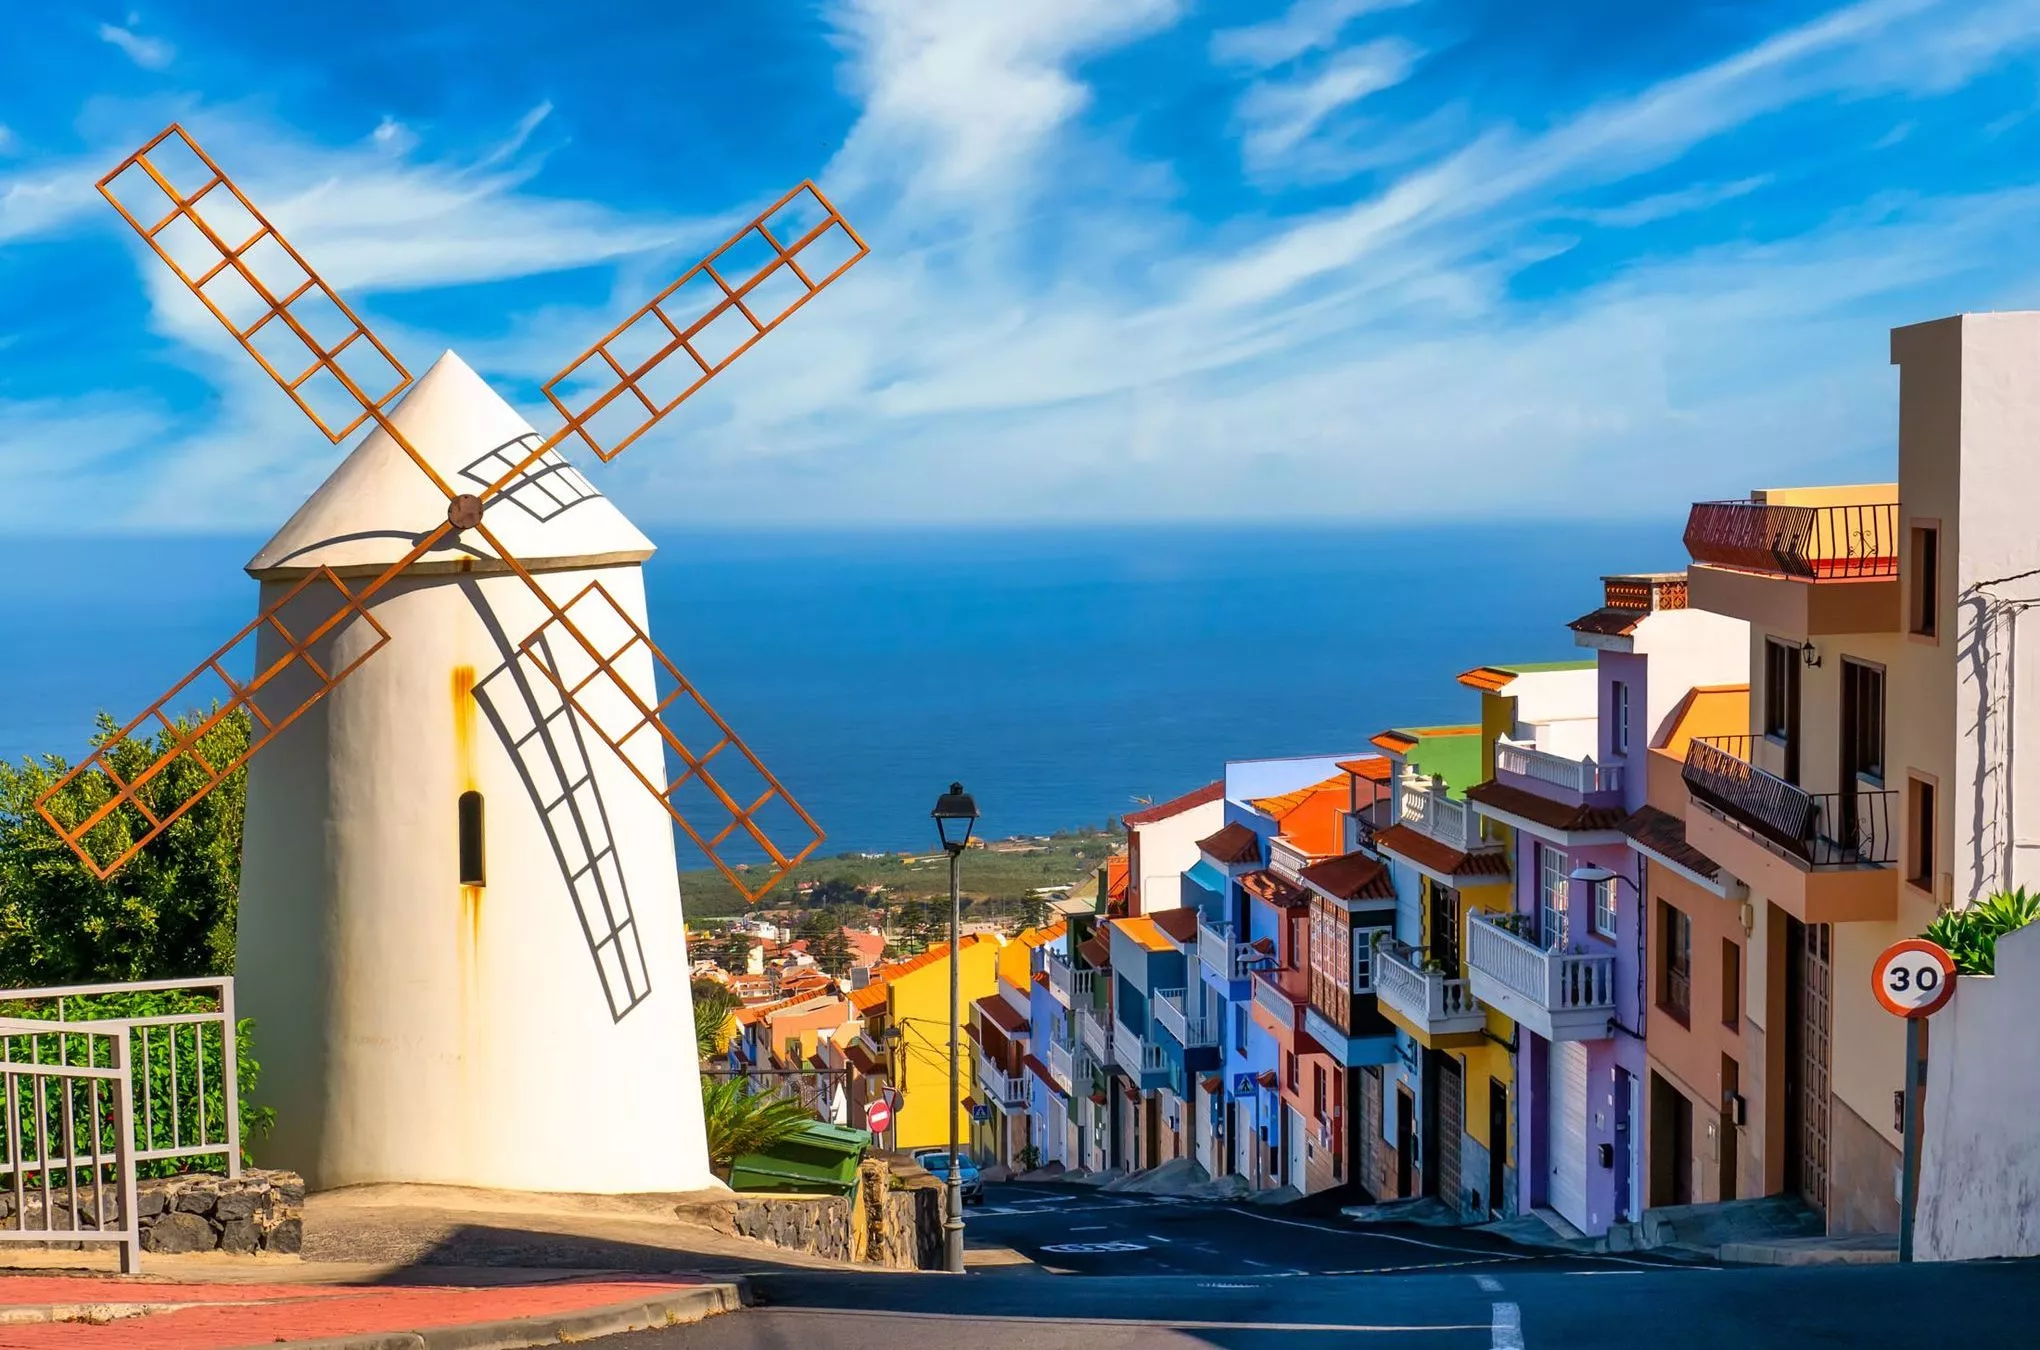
{"x":302,"y":308}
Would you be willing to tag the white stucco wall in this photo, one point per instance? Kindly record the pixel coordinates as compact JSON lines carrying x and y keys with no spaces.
{"x":1980,"y":1166}
{"x":534,"y":1033}
{"x":1168,"y":847}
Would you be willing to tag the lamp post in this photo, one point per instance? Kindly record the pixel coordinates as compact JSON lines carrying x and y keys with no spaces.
{"x":955,"y":814}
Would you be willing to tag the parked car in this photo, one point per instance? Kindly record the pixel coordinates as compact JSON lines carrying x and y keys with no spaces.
{"x":936,"y":1160}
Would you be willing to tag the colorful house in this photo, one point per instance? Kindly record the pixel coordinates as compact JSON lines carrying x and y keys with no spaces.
{"x":1442,"y":1109}
{"x":906,"y":1017}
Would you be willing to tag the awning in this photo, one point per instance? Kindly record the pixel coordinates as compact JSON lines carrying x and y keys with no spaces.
{"x":1206,"y":875}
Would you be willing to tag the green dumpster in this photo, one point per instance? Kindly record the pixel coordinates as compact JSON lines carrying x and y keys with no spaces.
{"x":820,"y":1160}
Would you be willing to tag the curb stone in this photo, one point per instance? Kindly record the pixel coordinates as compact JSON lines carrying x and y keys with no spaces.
{"x":518,"y":1333}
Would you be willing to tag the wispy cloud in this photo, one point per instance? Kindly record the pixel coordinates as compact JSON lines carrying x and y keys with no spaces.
{"x":1307,"y":26}
{"x":147,"y":52}
{"x":1279,"y":114}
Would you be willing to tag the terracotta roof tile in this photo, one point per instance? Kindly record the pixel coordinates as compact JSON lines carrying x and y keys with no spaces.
{"x":1176,"y":806}
{"x":1609,"y":621}
{"x":1096,"y":951}
{"x":1553,"y":815}
{"x":1233,"y":844}
{"x":1444,"y":859}
{"x":1267,"y":1079}
{"x":1375,"y":768}
{"x":1487,"y":679}
{"x":869,"y":997}
{"x":1003,"y":1014}
{"x":1352,"y":877}
{"x":1180,"y":924}
{"x":1395,"y":742}
{"x":1275,"y":890}
{"x":1282,"y":804}
{"x":1664,"y":834}
{"x":1040,"y":1070}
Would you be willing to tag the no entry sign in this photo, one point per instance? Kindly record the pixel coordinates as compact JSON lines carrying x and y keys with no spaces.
{"x":1913,"y":978}
{"x":878,"y":1117}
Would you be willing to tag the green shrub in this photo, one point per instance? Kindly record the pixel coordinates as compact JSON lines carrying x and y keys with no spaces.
{"x":741,"y":1121}
{"x":1970,"y":935}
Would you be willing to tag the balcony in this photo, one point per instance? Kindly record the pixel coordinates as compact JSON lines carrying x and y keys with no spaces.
{"x":1426,"y":809}
{"x":1006,"y":1091}
{"x":1062,"y":1065}
{"x":1579,"y":777}
{"x":1283,"y":995}
{"x":1126,"y":1044}
{"x":1286,"y":860}
{"x":1096,"y":1036}
{"x":1822,"y":857}
{"x":1070,"y":985}
{"x":1812,"y":543}
{"x":1562,"y":996}
{"x":1427,"y":1003}
{"x":1173,"y":1015}
{"x":1839,"y":563}
{"x":1226,"y":959}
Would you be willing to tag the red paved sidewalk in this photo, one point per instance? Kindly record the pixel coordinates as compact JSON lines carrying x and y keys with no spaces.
{"x":229,"y":1315}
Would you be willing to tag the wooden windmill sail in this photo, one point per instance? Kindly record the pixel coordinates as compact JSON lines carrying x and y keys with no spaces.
{"x":343,"y":377}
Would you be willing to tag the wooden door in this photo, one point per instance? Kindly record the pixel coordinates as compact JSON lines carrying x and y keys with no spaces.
{"x":1451,"y":1125}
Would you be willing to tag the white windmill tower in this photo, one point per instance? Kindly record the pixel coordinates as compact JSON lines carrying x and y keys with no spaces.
{"x":460,"y":926}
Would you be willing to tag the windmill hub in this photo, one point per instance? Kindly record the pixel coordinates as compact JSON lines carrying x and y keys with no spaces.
{"x":464,"y":512}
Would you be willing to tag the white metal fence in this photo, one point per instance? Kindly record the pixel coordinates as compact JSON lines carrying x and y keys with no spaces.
{"x":69,"y":1140}
{"x":182,"y":1060}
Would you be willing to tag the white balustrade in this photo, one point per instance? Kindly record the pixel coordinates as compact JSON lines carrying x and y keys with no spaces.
{"x":1575,"y":775}
{"x":1006,"y":1091}
{"x":1439,"y":1003}
{"x":1570,"y":993}
{"x":1062,"y":1064}
{"x":1426,"y":809}
{"x":1285,"y":859}
{"x":1215,"y":948}
{"x":1092,"y":1030}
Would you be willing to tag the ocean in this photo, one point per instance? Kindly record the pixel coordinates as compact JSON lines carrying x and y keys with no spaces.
{"x":1063,"y":675}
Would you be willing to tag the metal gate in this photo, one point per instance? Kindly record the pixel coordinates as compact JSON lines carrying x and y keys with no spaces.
{"x":1812,"y":956}
{"x":1451,"y":1125}
{"x":1566,"y":1093}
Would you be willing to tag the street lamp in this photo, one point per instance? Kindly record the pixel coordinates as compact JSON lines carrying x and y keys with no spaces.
{"x":955,"y":815}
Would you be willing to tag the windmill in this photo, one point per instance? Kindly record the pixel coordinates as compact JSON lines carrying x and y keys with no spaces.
{"x":454,"y":679}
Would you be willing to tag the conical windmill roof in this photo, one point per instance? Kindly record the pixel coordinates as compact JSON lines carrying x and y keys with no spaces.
{"x":374,"y":508}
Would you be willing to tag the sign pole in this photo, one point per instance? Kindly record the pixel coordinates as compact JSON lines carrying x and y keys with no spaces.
{"x":1915,"y":1095}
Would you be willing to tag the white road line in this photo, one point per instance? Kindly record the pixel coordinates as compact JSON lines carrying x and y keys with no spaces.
{"x":1508,"y":1327}
{"x":1488,"y":1284}
{"x":1152,"y":1238}
{"x":1089,"y":1228}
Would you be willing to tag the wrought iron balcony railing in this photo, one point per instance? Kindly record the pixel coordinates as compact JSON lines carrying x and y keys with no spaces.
{"x":1811,"y":542}
{"x":1820,"y":829}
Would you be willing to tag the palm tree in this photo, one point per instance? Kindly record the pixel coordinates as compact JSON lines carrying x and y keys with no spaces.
{"x":714,"y":1005}
{"x":740,"y":1121}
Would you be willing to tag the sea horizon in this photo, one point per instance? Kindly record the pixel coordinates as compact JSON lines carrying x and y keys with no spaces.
{"x":1065,"y":674}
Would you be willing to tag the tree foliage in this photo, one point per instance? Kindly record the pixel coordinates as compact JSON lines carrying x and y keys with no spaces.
{"x":1970,"y":935}
{"x":169,"y":913}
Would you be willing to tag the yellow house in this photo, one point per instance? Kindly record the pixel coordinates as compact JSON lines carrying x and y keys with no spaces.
{"x":910,"y":1020}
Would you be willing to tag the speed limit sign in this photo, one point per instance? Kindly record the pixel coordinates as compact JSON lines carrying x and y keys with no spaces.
{"x":1913,"y":978}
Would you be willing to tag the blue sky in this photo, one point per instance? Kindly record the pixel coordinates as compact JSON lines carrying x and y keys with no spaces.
{"x":1144,"y":259}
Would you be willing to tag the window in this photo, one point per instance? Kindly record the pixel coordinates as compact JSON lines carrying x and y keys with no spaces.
{"x":1239,"y":1028}
{"x":1317,"y":1090}
{"x":1925,"y":582}
{"x":1731,"y":984}
{"x":473,"y":871}
{"x":1363,"y":957}
{"x":1778,"y":682}
{"x":1675,"y":961}
{"x":1604,"y":906}
{"x":1551,"y":869}
{"x":1862,"y":720}
{"x":1289,"y":1069}
{"x":1442,"y":904}
{"x":1920,"y":832}
{"x":1618,"y":717}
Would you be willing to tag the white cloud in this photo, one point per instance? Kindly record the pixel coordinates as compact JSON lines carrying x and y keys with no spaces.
{"x":7,"y":139}
{"x":1307,"y":26}
{"x":1279,"y":114}
{"x":147,"y":52}
{"x":1663,"y":205}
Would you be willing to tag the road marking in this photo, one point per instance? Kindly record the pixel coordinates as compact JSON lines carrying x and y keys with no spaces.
{"x":1089,"y":1228}
{"x":1262,"y":1264}
{"x":1152,"y":1238}
{"x":1488,"y":1284}
{"x":1116,"y":1323}
{"x":1508,"y":1327}
{"x":1094,"y":1248}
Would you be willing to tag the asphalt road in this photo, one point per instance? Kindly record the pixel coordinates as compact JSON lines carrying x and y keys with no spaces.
{"x":1161,"y":1274}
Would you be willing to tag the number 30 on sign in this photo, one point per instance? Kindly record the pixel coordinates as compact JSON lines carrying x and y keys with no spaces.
{"x":1913,"y":978}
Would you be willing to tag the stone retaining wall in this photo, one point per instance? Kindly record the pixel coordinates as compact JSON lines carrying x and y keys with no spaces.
{"x":259,"y":1211}
{"x":893,"y":1218}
